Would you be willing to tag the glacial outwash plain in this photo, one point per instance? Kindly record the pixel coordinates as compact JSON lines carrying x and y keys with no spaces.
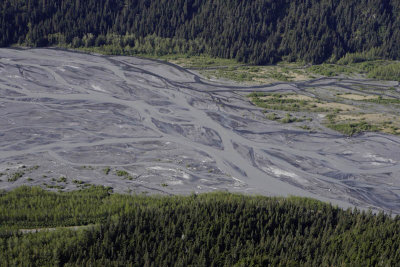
{"x":69,"y":120}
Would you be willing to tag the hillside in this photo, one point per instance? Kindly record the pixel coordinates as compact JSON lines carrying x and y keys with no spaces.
{"x":217,"y":229}
{"x":254,"y":31}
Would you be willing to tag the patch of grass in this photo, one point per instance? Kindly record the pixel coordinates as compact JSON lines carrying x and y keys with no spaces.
{"x":281,"y":76}
{"x":351,"y":129}
{"x":257,"y":94}
{"x":362,"y":63}
{"x":290,"y":119}
{"x":331,"y":117}
{"x":231,"y":69}
{"x":330,"y":70}
{"x":34,"y":167}
{"x":106,"y":170}
{"x":164,"y":184}
{"x":368,"y":66}
{"x":123,"y":173}
{"x":390,"y":72}
{"x":60,"y":187}
{"x":383,"y":101}
{"x":272,"y":116}
{"x":285,"y":102}
{"x":257,"y":74}
{"x":62,"y":179}
{"x":305,"y":127}
{"x":78,"y":182}
{"x":200,"y":61}
{"x":87,"y":167}
{"x":234,"y":74}
{"x":340,"y":116}
{"x":15,"y":176}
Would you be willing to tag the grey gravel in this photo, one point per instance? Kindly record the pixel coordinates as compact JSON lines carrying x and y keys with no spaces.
{"x":72,"y":115}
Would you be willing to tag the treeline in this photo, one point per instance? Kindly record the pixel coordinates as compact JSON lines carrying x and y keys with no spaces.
{"x":256,"y":31}
{"x":218,"y":229}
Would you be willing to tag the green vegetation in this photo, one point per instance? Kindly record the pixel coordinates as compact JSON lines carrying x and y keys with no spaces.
{"x":283,"y":71}
{"x":124,"y":174}
{"x":87,"y":167}
{"x":212,"y":67}
{"x":33,"y":207}
{"x":351,"y":129}
{"x":329,"y":70}
{"x":339,"y":116}
{"x":376,"y":69}
{"x":51,"y":186}
{"x":389,"y":72}
{"x":272,"y":116}
{"x":15,"y":176}
{"x":218,"y":229}
{"x":121,"y":173}
{"x":62,"y":179}
{"x":305,"y":127}
{"x":281,"y":77}
{"x":244,"y":73}
{"x":234,"y":74}
{"x":286,"y":102}
{"x":106,"y":170}
{"x":274,"y":101}
{"x":289,"y":119}
{"x":218,"y":28}
{"x":199,"y":61}
{"x":381,"y":100}
{"x":370,"y":55}
{"x":198,"y":34}
{"x":352,"y":124}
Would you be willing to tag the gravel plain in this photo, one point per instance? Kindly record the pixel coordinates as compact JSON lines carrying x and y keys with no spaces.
{"x":69,"y":120}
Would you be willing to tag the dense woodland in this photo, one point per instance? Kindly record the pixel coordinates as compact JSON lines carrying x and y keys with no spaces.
{"x":218,"y":229}
{"x":254,"y":31}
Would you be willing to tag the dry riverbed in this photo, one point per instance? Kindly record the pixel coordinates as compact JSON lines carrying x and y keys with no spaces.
{"x":69,"y":120}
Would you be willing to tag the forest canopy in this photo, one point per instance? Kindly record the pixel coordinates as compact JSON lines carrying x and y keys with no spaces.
{"x":254,"y":31}
{"x":215,"y":229}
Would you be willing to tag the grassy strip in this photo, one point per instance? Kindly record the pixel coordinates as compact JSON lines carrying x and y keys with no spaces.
{"x":283,"y":102}
{"x":383,"y":101}
{"x":233,"y":70}
{"x":389,"y":72}
{"x":297,"y":103}
{"x":351,"y":129}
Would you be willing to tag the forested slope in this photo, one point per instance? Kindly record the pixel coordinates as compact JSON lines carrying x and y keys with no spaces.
{"x":255,"y":31}
{"x":218,"y":229}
